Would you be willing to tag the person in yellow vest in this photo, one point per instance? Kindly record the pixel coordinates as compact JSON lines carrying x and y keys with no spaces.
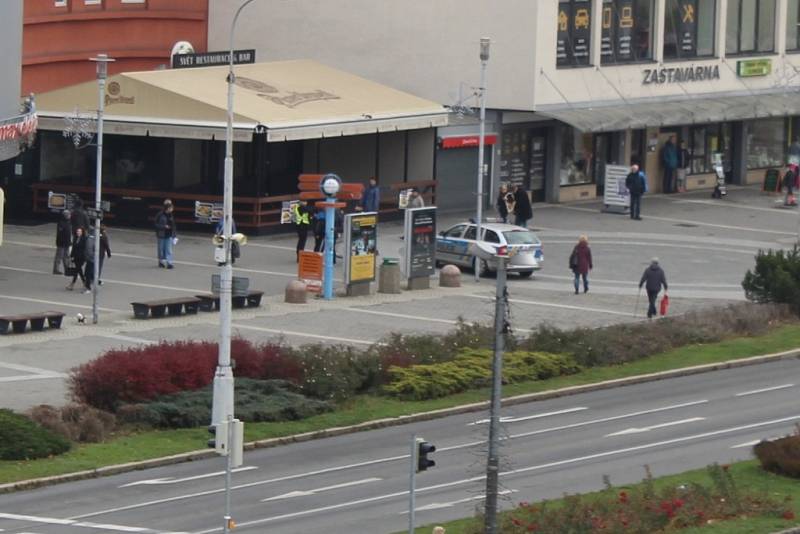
{"x":302,"y":222}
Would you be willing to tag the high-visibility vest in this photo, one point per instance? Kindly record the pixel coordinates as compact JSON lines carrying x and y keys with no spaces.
{"x":301,"y":217}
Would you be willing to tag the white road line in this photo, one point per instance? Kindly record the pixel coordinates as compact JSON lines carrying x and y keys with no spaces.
{"x":634,"y":284}
{"x":727,"y":205}
{"x":698,"y":223}
{"x":402,"y":316}
{"x":529,"y":417}
{"x":440,"y":505}
{"x":27,"y":378}
{"x":764,"y":390}
{"x":553,"y":305}
{"x":130,"y":339}
{"x":58,"y":303}
{"x":28,"y":369}
{"x":303,"y":334}
{"x":654,"y":427}
{"x":171,"y":480}
{"x":595,"y":242}
{"x":755,"y":442}
{"x":306,"y":493}
{"x":72,"y":523}
{"x":559,"y":463}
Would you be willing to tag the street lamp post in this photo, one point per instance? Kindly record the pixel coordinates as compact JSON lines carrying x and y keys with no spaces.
{"x":484,"y":55}
{"x":102,"y":61}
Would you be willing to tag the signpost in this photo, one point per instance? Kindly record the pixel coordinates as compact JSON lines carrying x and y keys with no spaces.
{"x":211,"y":59}
{"x":419,"y":242}
{"x":615,"y":196}
{"x":361,"y":241}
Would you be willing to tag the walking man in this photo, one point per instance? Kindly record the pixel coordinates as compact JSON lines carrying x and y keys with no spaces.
{"x":165,"y":233}
{"x":669,"y":158}
{"x":637,"y":185}
{"x":522,"y":207}
{"x":372,"y":196}
{"x":653,"y":278}
{"x":63,"y":241}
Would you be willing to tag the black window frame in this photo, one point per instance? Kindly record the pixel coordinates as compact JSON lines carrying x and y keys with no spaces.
{"x":678,"y":56}
{"x":756,"y":30}
{"x":613,"y":58}
{"x":796,"y":49}
{"x":571,"y":60}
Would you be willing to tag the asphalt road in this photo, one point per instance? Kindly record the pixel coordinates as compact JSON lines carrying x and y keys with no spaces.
{"x":359,"y":482}
{"x":704,"y":245}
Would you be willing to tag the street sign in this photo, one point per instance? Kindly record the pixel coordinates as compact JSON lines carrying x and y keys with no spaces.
{"x":211,"y":59}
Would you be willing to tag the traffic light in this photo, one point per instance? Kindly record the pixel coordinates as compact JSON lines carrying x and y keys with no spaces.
{"x":220,"y":441}
{"x":229,"y":438}
{"x":423,"y":450}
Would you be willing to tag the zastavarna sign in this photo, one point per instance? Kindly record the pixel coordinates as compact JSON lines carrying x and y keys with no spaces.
{"x":680,"y":75}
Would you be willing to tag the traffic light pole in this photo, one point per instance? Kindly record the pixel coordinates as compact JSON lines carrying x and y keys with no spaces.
{"x":493,"y":462}
{"x":228,"y":472}
{"x":412,"y":484}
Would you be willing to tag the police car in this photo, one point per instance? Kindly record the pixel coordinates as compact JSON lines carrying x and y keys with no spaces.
{"x":455,"y":245}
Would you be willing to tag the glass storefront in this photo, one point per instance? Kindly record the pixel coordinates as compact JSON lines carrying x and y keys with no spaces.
{"x":766,"y":143}
{"x":705,"y":142}
{"x":523,"y":158}
{"x":576,"y":157}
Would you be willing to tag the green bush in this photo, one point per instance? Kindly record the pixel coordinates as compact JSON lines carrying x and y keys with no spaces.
{"x":23,"y":439}
{"x":775,"y":278}
{"x":255,"y":401}
{"x":781,"y":456}
{"x":472,"y":368}
{"x":335,"y":372}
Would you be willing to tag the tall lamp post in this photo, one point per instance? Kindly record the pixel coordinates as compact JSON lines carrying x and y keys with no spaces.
{"x":101,"y":61}
{"x":484,"y":55}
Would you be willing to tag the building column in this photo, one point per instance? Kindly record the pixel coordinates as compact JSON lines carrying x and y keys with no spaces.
{"x":658,"y":40}
{"x":781,"y":13}
{"x":595,"y":50}
{"x":721,"y":24}
{"x":552,"y":179}
{"x":739,"y":163}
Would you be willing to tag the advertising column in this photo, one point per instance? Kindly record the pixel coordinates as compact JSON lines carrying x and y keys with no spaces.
{"x":420,"y":246}
{"x":361,"y":240}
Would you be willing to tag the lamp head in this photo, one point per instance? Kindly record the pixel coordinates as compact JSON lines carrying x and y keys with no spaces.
{"x":330,"y":184}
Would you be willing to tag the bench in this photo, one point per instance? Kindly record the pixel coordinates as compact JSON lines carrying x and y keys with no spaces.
{"x":37,"y":320}
{"x":158,"y":308}
{"x":250,"y":298}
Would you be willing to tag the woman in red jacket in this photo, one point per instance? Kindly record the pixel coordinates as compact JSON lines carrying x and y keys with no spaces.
{"x":580,"y":261}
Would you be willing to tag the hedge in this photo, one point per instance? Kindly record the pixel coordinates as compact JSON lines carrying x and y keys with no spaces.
{"x":22,"y":439}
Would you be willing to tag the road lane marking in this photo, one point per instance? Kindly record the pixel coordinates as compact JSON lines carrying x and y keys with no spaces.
{"x":58,"y":303}
{"x":529,"y":417}
{"x":738,"y":206}
{"x":130,"y":339}
{"x":553,"y":305}
{"x":635,"y":430}
{"x":755,"y":442}
{"x":303,"y":334}
{"x":596,"y":242}
{"x":635,"y":284}
{"x":172,"y":480}
{"x":402,"y":316}
{"x":306,"y":493}
{"x":73,"y":523}
{"x":109,"y":280}
{"x":764,"y":390}
{"x":440,"y":505}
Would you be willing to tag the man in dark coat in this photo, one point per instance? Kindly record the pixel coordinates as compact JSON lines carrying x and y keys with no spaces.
{"x":522,"y":207}
{"x":669,"y":158}
{"x":652,"y":279}
{"x":63,"y":241}
{"x":371,"y":200}
{"x":165,"y":233}
{"x":636,"y":188}
{"x":580,"y":261}
{"x":78,"y":217}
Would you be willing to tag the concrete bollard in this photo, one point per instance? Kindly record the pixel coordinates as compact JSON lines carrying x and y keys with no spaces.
{"x":450,"y":276}
{"x":295,"y":292}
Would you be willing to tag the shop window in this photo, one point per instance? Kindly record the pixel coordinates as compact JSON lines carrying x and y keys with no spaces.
{"x":576,"y":160}
{"x":705,"y":143}
{"x":689,"y":28}
{"x":574,"y":33}
{"x":627,"y":34}
{"x":766,"y":142}
{"x":793,"y":25}
{"x":750,"y":26}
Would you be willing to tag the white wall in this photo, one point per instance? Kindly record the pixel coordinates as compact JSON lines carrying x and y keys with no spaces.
{"x":11,"y":58}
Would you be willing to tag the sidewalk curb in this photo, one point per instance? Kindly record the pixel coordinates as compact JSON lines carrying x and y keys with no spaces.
{"x":401,"y":420}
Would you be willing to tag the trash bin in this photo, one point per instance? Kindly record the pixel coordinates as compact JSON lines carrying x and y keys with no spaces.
{"x":389,"y":276}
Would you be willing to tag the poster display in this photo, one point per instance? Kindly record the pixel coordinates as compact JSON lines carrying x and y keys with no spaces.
{"x":616,"y":194}
{"x":420,"y":242}
{"x":402,"y":199}
{"x":309,"y":270}
{"x":287,"y":211}
{"x":574,"y":32}
{"x":207,"y":212}
{"x":57,"y":201}
{"x":361,"y":241}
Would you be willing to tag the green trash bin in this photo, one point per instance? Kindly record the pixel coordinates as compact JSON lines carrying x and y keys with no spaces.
{"x":389,"y":276}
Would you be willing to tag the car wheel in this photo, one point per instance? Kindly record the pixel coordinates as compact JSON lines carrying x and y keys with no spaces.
{"x":525,"y":274}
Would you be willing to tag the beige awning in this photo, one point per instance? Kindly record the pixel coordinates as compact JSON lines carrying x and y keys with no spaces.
{"x":675,"y":111}
{"x":299,"y":99}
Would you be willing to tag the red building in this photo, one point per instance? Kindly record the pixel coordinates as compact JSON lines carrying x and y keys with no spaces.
{"x":60,"y":35}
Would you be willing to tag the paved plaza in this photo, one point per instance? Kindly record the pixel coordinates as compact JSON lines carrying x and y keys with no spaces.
{"x":704,"y":245}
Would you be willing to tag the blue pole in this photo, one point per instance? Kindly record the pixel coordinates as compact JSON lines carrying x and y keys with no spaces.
{"x":330,"y":215}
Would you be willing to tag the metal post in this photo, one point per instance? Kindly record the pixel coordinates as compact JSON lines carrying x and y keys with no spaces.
{"x":228,"y":471}
{"x":493,"y":462}
{"x":412,"y":500}
{"x":102,"y":61}
{"x":484,"y":55}
{"x":330,"y":216}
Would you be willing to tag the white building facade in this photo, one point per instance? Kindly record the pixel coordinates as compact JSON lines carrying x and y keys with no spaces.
{"x":572,"y":84}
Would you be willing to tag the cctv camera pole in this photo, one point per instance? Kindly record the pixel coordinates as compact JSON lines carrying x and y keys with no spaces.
{"x":102,"y":61}
{"x":481,"y":136}
{"x":493,"y":462}
{"x":412,"y":484}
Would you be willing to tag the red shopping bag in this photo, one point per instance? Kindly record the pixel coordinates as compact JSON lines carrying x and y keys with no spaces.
{"x":664,"y":304}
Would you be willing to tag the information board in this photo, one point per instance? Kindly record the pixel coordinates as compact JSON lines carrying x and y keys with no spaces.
{"x":361,"y":241}
{"x":616,"y":194}
{"x":309,"y":270}
{"x":419,"y":238}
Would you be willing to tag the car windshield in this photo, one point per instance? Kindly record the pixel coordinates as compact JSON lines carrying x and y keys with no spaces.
{"x":520,"y":237}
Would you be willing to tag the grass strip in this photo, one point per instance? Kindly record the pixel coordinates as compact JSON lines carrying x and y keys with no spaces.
{"x":156,"y":444}
{"x":749,"y":478}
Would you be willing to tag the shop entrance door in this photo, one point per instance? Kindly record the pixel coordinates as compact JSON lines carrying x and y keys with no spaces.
{"x":603,"y":151}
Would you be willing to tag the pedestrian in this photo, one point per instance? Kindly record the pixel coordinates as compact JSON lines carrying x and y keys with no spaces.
{"x":684,"y":164}
{"x":105,"y":251}
{"x":789,"y":184}
{"x":78,"y":216}
{"x":523,"y":210}
{"x":502,"y":207}
{"x":653,"y":278}
{"x":63,"y":241}
{"x":319,"y":230}
{"x":415,"y":200}
{"x":302,"y":222}
{"x":636,"y":182}
{"x":371,"y":200}
{"x":78,"y":256}
{"x":165,"y":234}
{"x":669,"y":160}
{"x":580,"y":261}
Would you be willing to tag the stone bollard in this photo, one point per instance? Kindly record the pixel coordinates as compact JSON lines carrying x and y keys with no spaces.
{"x":450,"y":276}
{"x":295,"y":292}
